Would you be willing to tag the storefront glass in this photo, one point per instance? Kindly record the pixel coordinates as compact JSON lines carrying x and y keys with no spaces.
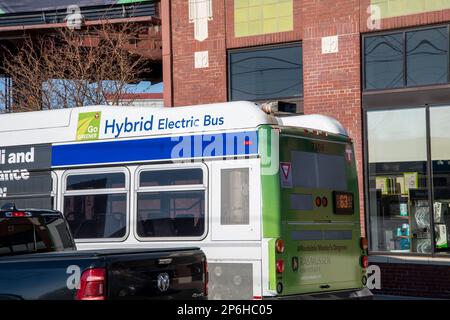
{"x":440,"y":156}
{"x":399,"y":216}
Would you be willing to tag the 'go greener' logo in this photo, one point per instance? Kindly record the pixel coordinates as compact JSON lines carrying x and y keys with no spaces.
{"x":88,"y":126}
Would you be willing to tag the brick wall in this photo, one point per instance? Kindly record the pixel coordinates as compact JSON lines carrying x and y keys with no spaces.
{"x":191,"y":85}
{"x":426,"y":18}
{"x":417,"y":280}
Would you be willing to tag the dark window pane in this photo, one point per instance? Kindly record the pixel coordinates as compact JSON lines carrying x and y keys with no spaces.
{"x":427,"y":56}
{"x":96,"y":181}
{"x":318,"y":171}
{"x":96,"y":216}
{"x":171,"y":214}
{"x":383,"y":61}
{"x":26,"y":235}
{"x":266,"y":74}
{"x":171,"y":177}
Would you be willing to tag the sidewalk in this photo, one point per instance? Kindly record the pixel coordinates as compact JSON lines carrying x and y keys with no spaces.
{"x":389,"y":297}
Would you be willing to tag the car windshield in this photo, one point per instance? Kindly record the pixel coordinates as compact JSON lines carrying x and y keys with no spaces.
{"x":20,"y":235}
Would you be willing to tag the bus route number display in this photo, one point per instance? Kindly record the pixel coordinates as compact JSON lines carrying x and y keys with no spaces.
{"x":343,"y":202}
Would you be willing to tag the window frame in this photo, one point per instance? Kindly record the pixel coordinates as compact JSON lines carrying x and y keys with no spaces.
{"x":404,"y":32}
{"x":154,"y":189}
{"x":54,"y":192}
{"x":106,"y":191}
{"x":262,"y":48}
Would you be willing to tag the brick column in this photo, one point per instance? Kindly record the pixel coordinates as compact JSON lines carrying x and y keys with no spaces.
{"x":332,"y":80}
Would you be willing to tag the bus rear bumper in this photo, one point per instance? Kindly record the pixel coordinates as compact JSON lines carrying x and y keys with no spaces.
{"x":358,"y":294}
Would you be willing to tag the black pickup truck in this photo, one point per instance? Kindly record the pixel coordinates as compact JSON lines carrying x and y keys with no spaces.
{"x":38,"y":260}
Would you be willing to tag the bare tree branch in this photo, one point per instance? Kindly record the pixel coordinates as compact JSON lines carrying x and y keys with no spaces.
{"x":71,"y":68}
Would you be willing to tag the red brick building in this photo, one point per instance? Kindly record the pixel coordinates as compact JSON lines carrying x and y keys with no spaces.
{"x":381,"y":67}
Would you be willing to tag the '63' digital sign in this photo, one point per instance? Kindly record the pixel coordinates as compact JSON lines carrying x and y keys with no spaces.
{"x":343,"y":202}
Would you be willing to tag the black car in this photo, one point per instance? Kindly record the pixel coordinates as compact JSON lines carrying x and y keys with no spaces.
{"x":39,"y":260}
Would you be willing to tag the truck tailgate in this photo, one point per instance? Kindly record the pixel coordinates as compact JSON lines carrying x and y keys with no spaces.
{"x":158,"y":275}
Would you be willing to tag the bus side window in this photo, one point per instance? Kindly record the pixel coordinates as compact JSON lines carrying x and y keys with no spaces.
{"x":95,"y":204}
{"x":235,"y":196}
{"x":171,"y":203}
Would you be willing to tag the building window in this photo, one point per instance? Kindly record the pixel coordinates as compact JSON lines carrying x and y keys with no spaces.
{"x":95,"y":205}
{"x":171,"y":203}
{"x":440,"y":156}
{"x":383,"y":61}
{"x":399,"y":216}
{"x":408,"y":211}
{"x":266,"y":73}
{"x":427,"y":56}
{"x":406,"y":59}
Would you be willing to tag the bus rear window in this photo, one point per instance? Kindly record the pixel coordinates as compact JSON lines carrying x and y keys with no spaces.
{"x":318,"y":171}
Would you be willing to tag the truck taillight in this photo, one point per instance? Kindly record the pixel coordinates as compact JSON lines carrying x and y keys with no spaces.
{"x":280,"y":266}
{"x":92,"y":285}
{"x":206,"y":278}
{"x":279,"y":246}
{"x":17,"y":214}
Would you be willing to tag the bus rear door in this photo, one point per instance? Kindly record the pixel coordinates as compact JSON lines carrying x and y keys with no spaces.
{"x":320,"y":214}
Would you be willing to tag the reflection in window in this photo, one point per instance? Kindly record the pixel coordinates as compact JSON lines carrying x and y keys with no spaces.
{"x":171,"y":214}
{"x":96,"y":181}
{"x":37,"y":234}
{"x":383,"y":59}
{"x":266,"y":73}
{"x":171,"y":177}
{"x":235,"y":197}
{"x":96,"y":216}
{"x":427,"y":56}
{"x":399,"y":215}
{"x":179,"y":212}
{"x":440,"y":156}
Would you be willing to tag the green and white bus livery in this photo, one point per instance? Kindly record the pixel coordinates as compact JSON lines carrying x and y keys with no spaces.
{"x":271,"y":200}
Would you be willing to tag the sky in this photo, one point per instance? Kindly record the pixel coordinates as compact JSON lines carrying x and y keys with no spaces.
{"x":141,"y":87}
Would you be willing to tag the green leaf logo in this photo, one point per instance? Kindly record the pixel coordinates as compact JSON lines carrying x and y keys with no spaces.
{"x":88,"y":126}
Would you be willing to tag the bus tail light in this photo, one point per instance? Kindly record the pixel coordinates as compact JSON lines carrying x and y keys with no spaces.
{"x":318,"y":201}
{"x":365,"y":262}
{"x":279,"y":246}
{"x":280,"y":266}
{"x":364,"y":244}
{"x":92,"y":285}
